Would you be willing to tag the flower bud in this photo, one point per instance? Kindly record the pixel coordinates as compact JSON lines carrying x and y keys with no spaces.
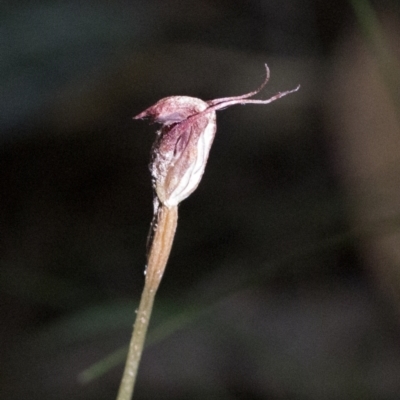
{"x":180,"y":152}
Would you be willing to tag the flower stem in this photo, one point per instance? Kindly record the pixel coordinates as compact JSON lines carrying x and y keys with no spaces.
{"x":164,"y":233}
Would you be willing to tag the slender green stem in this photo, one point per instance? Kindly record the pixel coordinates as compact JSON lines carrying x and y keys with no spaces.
{"x":157,"y":260}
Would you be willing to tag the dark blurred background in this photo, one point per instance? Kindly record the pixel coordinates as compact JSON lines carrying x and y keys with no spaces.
{"x":284,"y":278}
